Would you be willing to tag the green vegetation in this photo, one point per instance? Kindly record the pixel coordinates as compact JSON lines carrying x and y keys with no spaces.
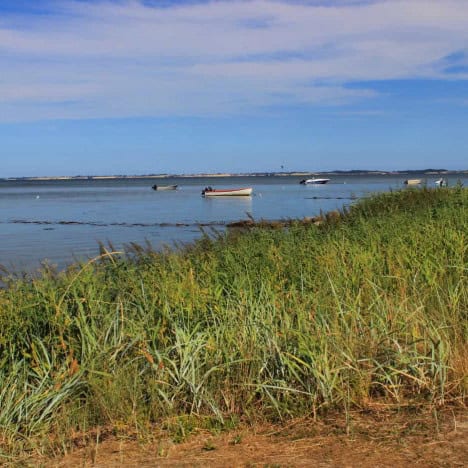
{"x":369,"y":307}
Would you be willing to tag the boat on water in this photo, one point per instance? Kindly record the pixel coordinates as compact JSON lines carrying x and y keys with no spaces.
{"x":164,"y":187}
{"x":211,"y":192}
{"x":314,"y":181}
{"x":413,"y":182}
{"x":441,"y":182}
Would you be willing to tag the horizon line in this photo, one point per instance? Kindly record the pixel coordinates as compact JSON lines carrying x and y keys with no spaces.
{"x":428,"y":171}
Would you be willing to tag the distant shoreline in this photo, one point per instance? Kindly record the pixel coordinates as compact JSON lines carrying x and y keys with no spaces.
{"x":245,"y":174}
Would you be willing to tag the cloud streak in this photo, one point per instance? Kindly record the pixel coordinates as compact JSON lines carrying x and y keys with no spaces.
{"x":126,"y":58}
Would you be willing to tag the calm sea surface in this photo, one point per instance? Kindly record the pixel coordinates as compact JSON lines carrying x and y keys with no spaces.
{"x":62,"y":221}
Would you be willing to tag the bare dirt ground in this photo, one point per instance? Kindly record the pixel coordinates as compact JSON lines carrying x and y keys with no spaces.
{"x":376,"y":439}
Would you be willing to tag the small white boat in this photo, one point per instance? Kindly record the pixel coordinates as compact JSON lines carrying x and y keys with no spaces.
{"x":315,"y":181}
{"x":164,"y":187}
{"x":413,"y":182}
{"x":211,"y":192}
{"x":441,"y":182}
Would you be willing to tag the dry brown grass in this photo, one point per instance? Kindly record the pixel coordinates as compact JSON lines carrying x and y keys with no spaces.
{"x":373,"y":438}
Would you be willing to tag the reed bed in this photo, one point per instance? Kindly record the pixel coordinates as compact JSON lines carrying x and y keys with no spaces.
{"x":370,"y":307}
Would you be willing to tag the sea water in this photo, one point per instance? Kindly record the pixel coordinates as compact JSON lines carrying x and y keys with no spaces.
{"x":61,"y":221}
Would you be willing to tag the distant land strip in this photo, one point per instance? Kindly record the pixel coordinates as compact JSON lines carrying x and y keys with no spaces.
{"x":245,"y":174}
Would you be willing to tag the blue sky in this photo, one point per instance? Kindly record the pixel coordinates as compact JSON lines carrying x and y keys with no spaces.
{"x":136,"y":87}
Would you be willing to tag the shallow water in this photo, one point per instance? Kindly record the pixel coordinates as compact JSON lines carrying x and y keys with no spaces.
{"x":61,"y":221}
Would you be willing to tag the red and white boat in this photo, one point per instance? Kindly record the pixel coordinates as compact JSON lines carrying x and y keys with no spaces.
{"x":211,"y":192}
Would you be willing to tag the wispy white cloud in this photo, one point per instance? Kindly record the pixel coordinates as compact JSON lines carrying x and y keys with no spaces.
{"x":126,"y":58}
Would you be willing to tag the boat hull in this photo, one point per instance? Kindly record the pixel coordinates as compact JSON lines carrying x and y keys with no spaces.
{"x":242,"y":192}
{"x":413,"y":182}
{"x":164,"y":187}
{"x":314,"y":181}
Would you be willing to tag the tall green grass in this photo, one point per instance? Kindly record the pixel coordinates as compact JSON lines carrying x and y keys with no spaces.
{"x":369,"y":307}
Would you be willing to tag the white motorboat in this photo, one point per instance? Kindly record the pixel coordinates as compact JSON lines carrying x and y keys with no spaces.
{"x":210,"y":192}
{"x":315,"y":181}
{"x":441,"y":182}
